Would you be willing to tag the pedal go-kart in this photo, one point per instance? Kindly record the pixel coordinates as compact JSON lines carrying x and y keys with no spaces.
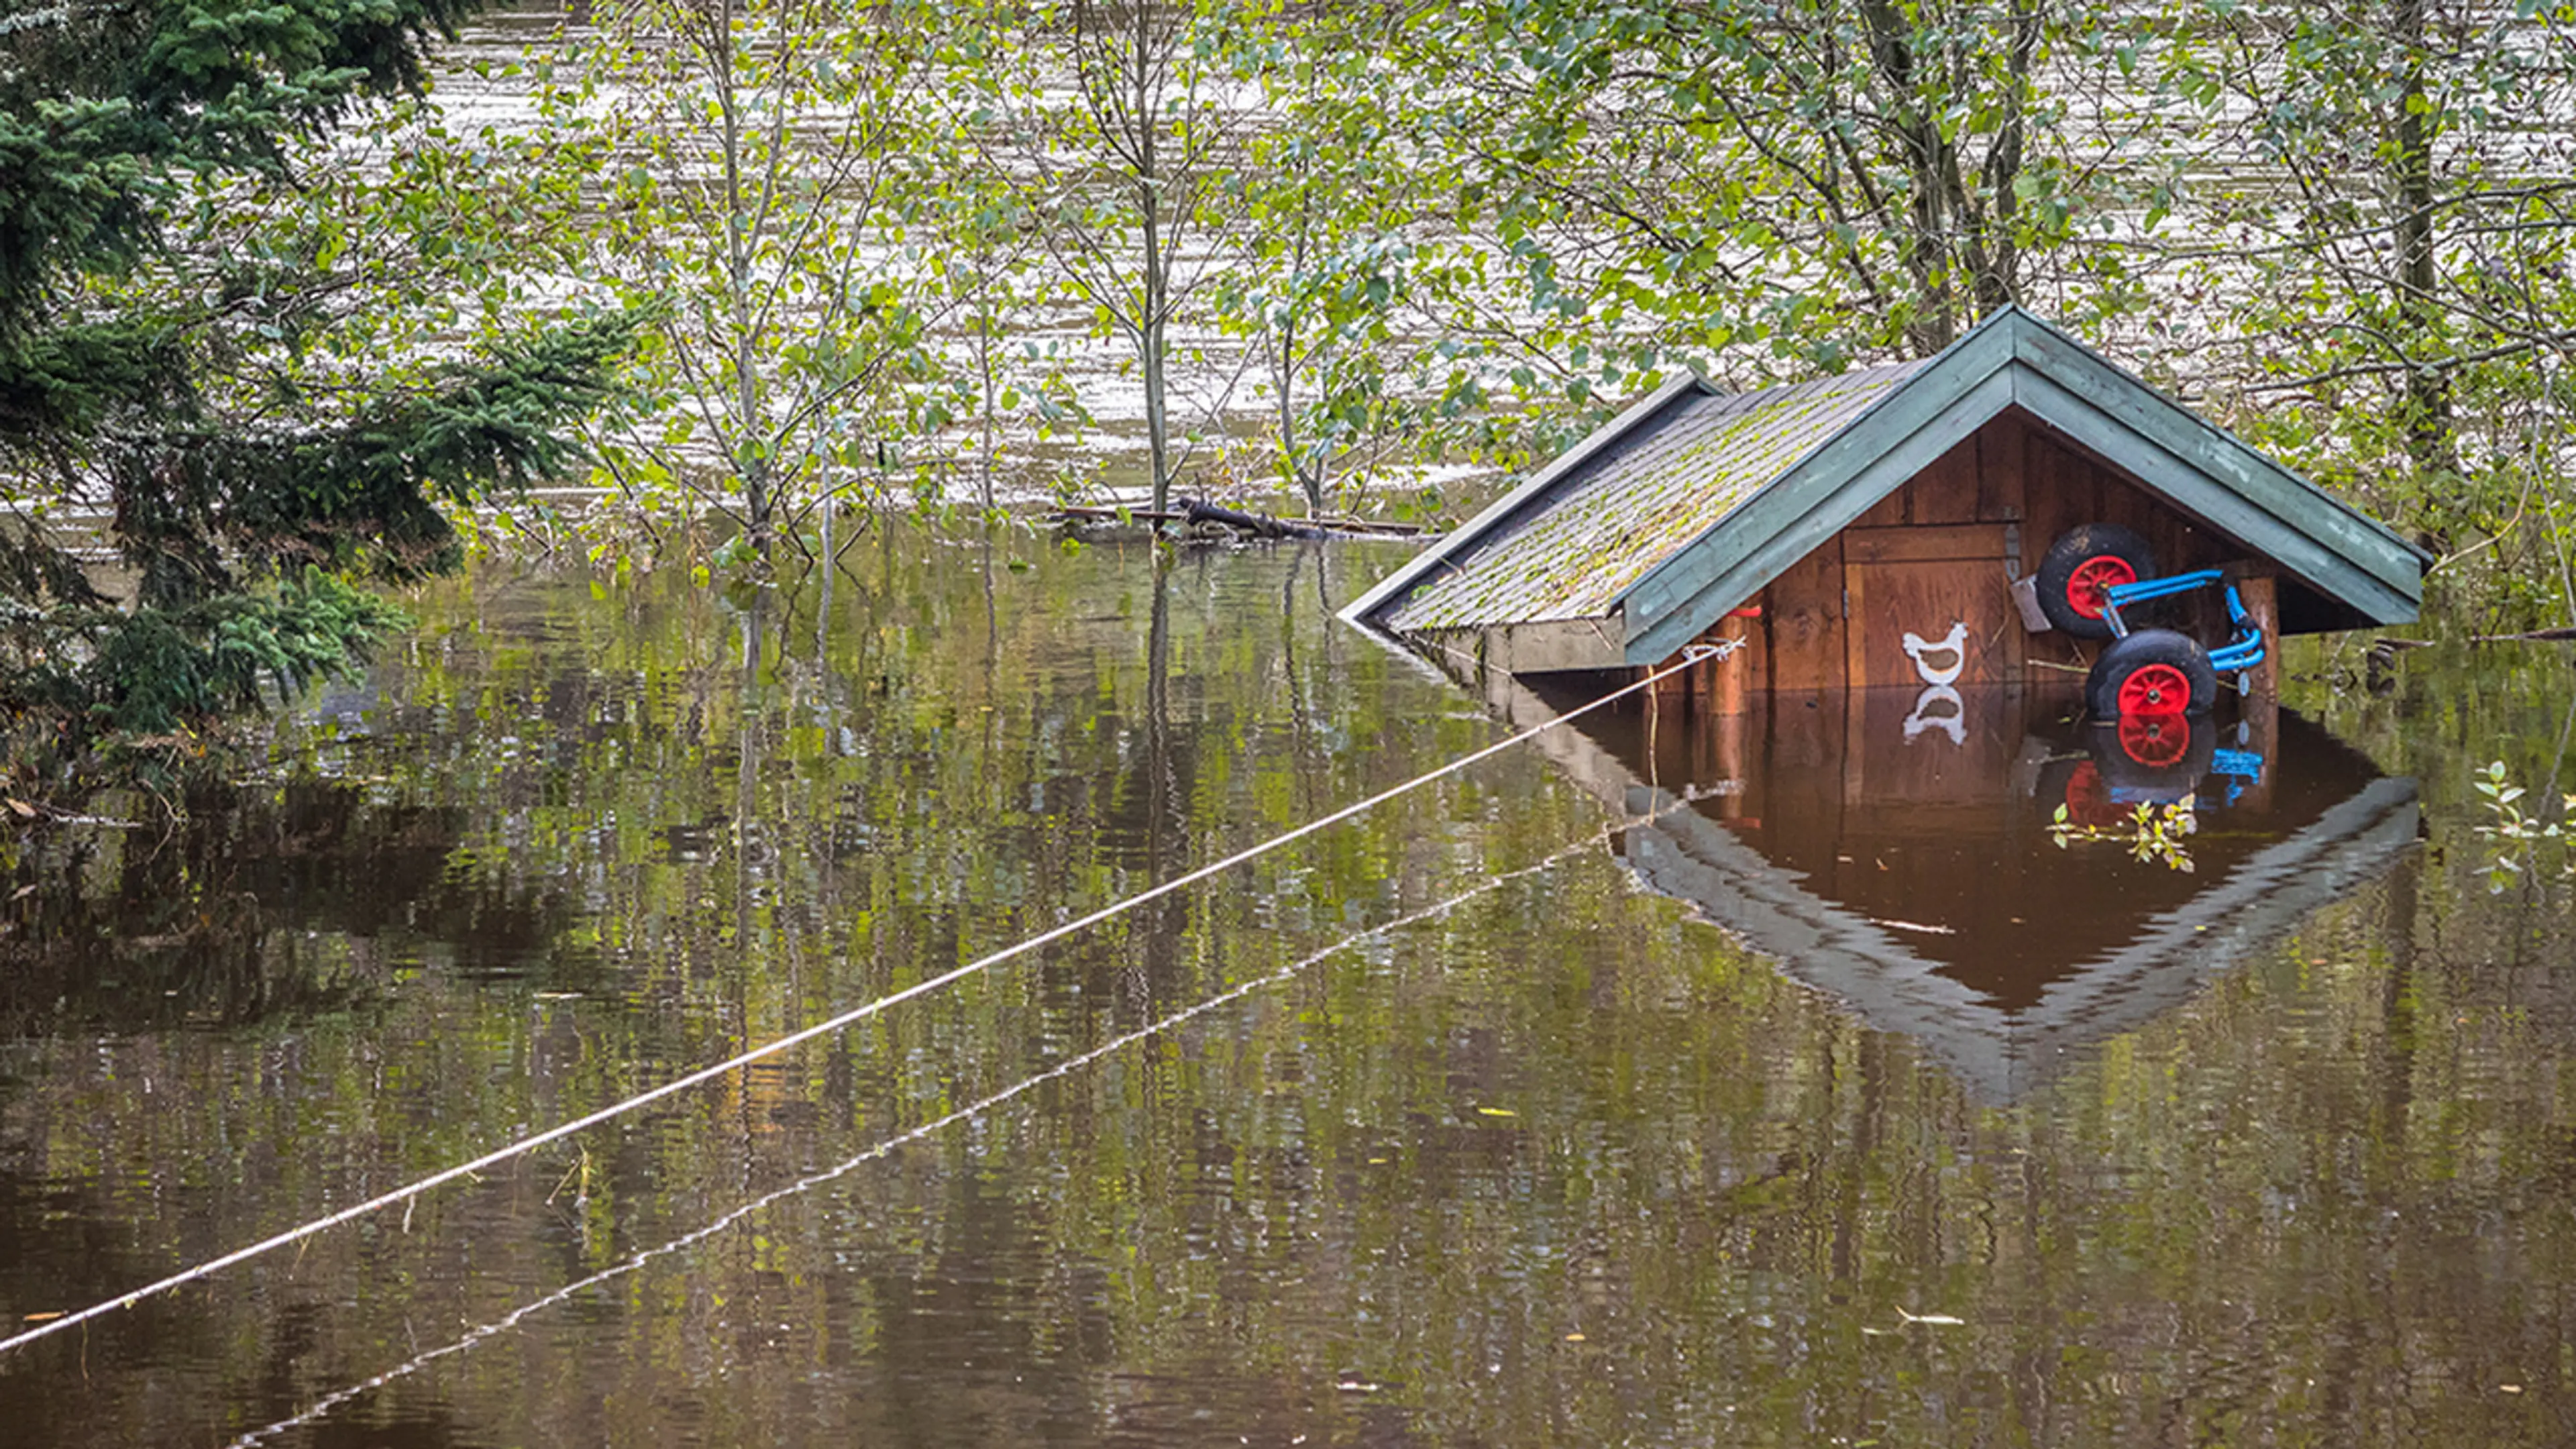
{"x":2093,"y":573}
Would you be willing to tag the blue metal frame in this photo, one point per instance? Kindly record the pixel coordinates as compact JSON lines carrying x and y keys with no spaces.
{"x":2245,"y":650}
{"x":2237,"y":655}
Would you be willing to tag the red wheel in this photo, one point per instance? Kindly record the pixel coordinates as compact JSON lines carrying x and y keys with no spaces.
{"x":2155,"y":689}
{"x":2080,"y":567}
{"x":2155,"y":673}
{"x":2151,"y":761}
{"x":2088,"y":589}
{"x":2154,"y":740}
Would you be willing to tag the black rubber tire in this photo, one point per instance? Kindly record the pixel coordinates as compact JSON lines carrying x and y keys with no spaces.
{"x":2140,"y":650}
{"x":2075,"y":548}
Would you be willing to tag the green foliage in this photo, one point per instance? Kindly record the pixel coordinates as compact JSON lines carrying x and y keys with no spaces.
{"x":1331,"y":243}
{"x":2382,"y":246}
{"x":1821,"y":179}
{"x":994,"y":288}
{"x":1328,"y":262}
{"x":759,"y":163}
{"x":101,"y":101}
{"x":1120,"y":125}
{"x":161,"y":668}
{"x":2514,"y":834}
{"x":2151,"y":832}
{"x":196,"y":463}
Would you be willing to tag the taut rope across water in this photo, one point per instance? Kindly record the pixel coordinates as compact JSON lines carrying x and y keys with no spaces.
{"x":633,"y":1261}
{"x":1691,"y":655}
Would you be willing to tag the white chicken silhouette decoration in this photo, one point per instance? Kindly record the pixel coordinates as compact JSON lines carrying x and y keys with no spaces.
{"x":1953,"y":644}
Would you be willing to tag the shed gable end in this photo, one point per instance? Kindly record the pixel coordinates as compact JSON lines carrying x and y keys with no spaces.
{"x":2014,"y":360}
{"x":1692,"y":502}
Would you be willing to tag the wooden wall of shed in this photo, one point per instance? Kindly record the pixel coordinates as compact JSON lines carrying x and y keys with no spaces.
{"x":2017,"y":470}
{"x":2064,"y":486}
{"x":2015,"y":474}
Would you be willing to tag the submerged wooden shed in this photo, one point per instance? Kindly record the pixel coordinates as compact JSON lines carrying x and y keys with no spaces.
{"x":1867,"y":529}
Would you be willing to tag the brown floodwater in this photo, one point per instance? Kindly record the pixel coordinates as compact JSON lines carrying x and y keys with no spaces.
{"x":1790,"y":1080}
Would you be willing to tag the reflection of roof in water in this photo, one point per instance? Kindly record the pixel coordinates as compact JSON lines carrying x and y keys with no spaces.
{"x":2004,"y":1051}
{"x":1962,"y":925}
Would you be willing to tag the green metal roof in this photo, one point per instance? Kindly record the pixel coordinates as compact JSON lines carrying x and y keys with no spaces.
{"x":1690,"y":502}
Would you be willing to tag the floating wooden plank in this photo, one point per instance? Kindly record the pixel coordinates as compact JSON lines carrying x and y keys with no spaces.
{"x":1260,"y":523}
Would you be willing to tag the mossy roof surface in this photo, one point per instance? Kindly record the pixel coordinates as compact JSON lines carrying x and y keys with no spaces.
{"x":1578,"y":546}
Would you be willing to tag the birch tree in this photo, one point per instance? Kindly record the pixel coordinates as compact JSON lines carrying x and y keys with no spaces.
{"x":2388,"y":236}
{"x":1325,"y":261}
{"x":1119,"y":121}
{"x":762,"y":207}
{"x":1826,"y":176}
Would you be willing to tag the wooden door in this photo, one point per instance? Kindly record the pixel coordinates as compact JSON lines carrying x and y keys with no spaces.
{"x":1931,"y":606}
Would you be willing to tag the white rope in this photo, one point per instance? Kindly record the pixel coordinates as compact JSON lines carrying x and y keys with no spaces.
{"x":314,"y":1411}
{"x":1691,"y":654}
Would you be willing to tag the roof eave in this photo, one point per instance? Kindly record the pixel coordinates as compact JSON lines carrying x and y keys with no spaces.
{"x":2344,"y":553}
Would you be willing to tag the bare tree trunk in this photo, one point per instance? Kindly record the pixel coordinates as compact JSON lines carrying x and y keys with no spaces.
{"x":2428,"y":388}
{"x":1993,"y":258}
{"x":1282,"y":347}
{"x":1284,"y":369}
{"x":1156,"y":283}
{"x":984,"y":362}
{"x":751,"y":459}
{"x":1157,"y":415}
{"x":1925,"y":245}
{"x":1167,"y":845}
{"x":748,"y":851}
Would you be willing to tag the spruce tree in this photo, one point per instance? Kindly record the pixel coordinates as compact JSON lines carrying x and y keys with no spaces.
{"x":149,"y":377}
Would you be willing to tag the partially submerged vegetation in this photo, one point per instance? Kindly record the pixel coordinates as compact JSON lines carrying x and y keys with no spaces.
{"x":2150,"y":831}
{"x":272,"y":321}
{"x":185,"y":354}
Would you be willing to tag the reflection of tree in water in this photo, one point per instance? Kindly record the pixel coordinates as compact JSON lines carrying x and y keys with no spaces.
{"x":1166,"y":804}
{"x":982,"y":1334}
{"x":258,"y":903}
{"x":260,"y":908}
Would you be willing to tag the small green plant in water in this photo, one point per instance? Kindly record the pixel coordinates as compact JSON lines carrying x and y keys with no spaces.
{"x":2151,"y":832}
{"x":2514,"y":833}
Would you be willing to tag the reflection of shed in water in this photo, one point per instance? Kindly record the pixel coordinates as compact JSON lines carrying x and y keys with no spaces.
{"x":1912,"y":872}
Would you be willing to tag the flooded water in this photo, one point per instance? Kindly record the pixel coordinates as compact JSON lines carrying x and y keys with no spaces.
{"x":1781,"y":1084}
